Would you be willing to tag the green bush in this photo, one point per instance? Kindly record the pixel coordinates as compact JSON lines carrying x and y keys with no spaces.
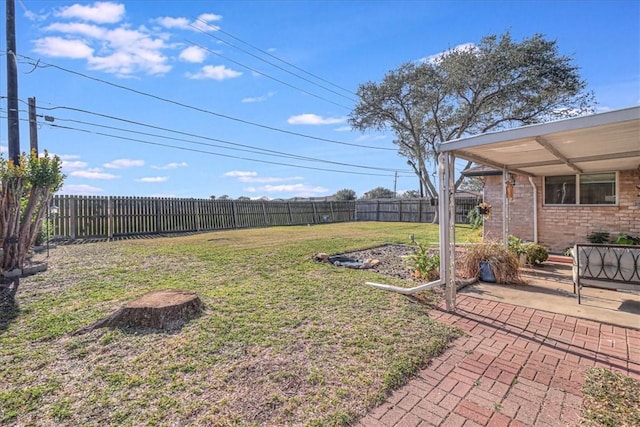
{"x":426,"y":264}
{"x":625,"y":239}
{"x":536,"y":254}
{"x":515,"y":245}
{"x":598,"y":237}
{"x":475,"y":218}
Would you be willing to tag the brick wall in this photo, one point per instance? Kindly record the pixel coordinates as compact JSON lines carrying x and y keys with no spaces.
{"x":559,"y":227}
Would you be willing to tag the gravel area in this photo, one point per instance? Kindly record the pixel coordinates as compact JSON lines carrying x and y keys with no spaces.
{"x":393,"y":260}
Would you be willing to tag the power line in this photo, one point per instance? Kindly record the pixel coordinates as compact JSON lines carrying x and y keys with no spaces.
{"x":208,"y":152}
{"x":267,"y":75}
{"x":41,"y":64}
{"x":255,"y":151}
{"x":252,"y":149}
{"x":219,"y":30}
{"x":271,"y":63}
{"x":88,"y":131}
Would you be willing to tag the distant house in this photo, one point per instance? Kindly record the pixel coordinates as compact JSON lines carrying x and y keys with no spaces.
{"x":555,"y":183}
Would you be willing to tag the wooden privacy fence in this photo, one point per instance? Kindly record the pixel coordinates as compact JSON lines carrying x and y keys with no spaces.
{"x":91,"y":217}
{"x":97,"y":217}
{"x":410,"y":210}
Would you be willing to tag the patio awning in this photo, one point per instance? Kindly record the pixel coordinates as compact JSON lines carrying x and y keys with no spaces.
{"x":601,"y":142}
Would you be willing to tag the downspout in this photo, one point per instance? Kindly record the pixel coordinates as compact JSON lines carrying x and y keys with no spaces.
{"x":505,"y":210}
{"x":443,"y":213}
{"x":535,"y":210}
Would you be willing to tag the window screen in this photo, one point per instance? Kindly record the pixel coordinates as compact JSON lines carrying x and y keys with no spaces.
{"x":560,"y":190}
{"x":598,"y":189}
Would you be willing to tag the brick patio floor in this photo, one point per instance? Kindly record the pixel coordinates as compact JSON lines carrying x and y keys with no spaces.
{"x":516,"y":366}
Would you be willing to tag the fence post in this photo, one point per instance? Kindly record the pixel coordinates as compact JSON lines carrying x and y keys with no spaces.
{"x":264,"y":212}
{"x":315,"y":213}
{"x":377,"y":210}
{"x":157,"y":209}
{"x":290,"y":214}
{"x":331,"y":209}
{"x":234,"y":210}
{"x":197,"y":202}
{"x":109,"y":218}
{"x":400,"y":210}
{"x":73,"y":217}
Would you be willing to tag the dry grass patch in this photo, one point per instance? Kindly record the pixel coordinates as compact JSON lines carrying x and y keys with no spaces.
{"x":283,"y":339}
{"x":610,"y":399}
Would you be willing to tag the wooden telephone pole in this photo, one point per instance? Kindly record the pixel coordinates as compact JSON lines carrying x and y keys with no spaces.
{"x":33,"y":127}
{"x":13,"y":117}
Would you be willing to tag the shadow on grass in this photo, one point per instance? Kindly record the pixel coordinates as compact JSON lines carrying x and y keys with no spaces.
{"x":9,"y":309}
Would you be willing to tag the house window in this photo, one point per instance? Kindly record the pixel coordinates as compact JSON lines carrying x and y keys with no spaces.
{"x":583,"y":189}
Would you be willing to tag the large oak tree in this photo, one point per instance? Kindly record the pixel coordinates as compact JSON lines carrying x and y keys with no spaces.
{"x":496,"y":84}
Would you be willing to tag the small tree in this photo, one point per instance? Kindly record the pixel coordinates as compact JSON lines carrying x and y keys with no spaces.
{"x":410,"y":194}
{"x":345,"y":194}
{"x":379,"y":193}
{"x":26,"y":193}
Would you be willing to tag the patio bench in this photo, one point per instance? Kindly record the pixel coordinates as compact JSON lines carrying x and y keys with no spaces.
{"x":605,"y":266}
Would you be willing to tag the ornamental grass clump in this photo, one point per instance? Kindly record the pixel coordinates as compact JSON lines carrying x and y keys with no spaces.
{"x":503,"y":262}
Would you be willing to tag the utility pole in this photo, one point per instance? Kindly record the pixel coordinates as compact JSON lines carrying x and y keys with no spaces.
{"x":13,"y":117}
{"x":33,"y":127}
{"x":395,"y":184}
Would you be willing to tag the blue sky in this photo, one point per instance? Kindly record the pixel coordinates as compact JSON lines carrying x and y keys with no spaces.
{"x":172,"y":98}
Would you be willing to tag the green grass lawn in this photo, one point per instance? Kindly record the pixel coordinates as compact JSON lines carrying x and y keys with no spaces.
{"x":283,"y":340}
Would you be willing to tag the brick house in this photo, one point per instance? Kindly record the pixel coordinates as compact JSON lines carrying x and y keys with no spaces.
{"x":563,"y":179}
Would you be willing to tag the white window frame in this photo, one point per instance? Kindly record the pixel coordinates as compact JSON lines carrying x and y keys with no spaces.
{"x":577,"y":203}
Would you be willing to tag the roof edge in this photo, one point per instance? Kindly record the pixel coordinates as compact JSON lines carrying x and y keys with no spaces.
{"x":542,"y":129}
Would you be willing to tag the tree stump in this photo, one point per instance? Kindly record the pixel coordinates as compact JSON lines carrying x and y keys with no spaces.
{"x":160,"y":310}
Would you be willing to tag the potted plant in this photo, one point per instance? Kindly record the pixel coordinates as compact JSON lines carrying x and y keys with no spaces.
{"x":484,"y":209}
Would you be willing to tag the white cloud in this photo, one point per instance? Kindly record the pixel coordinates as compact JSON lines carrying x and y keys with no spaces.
{"x":122,"y":51}
{"x":87,"y":30}
{"x":100,"y":12}
{"x":63,"y":48}
{"x":258,"y":98}
{"x":169,"y":22}
{"x":203,"y":22}
{"x":252,"y":177}
{"x":343,"y":129}
{"x":214,"y":72}
{"x":73,"y":164}
{"x":93,"y":174}
{"x":460,"y":48}
{"x":268,"y":179}
{"x":207,"y":25}
{"x":123,"y":164}
{"x":153,"y":179}
{"x":298,"y":190}
{"x":210,"y":17}
{"x":314,"y":119}
{"x":194,"y":54}
{"x":80,"y":189}
{"x":240,"y":173}
{"x":173,"y":165}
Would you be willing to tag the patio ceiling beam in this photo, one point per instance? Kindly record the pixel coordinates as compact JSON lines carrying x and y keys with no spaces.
{"x":550,"y":148}
{"x":610,"y":156}
{"x":484,"y":161}
{"x":538,"y":164}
